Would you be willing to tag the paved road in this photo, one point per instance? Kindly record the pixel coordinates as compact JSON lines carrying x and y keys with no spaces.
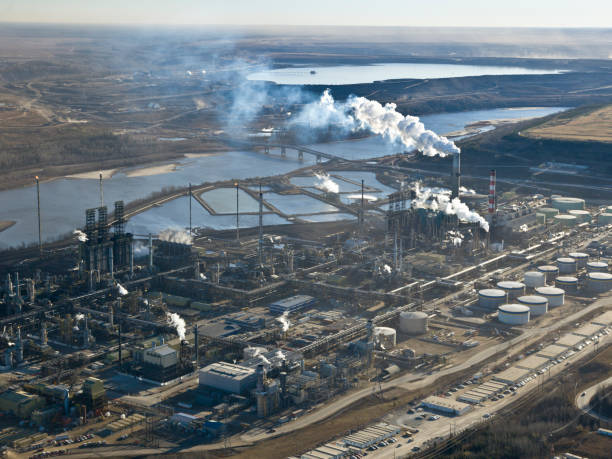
{"x":583,"y":401}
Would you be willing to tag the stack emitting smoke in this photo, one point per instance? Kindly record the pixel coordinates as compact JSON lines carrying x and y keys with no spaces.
{"x":175,"y":235}
{"x":492,"y":192}
{"x":284,"y":321}
{"x":178,"y":323}
{"x":121,"y":289}
{"x":429,"y":198}
{"x":80,"y":235}
{"x":325,"y":183}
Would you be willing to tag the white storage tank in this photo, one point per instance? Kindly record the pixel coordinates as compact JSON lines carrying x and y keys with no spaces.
{"x":550,"y":212}
{"x":581,"y":259}
{"x":554,"y":295}
{"x":564,"y":204}
{"x":550,"y":271}
{"x":597,"y":267}
{"x":582,"y":215}
{"x":491,"y":298}
{"x":566,"y":220}
{"x":534,"y":279}
{"x":605,"y":218}
{"x":599,"y":282}
{"x":413,"y":322}
{"x":567,"y":283}
{"x":538,"y":305}
{"x":513,"y":314}
{"x":566,"y":265}
{"x":513,"y":288}
{"x":385,"y":337}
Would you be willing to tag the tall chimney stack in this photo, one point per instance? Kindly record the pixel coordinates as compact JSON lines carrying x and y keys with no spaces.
{"x":492,"y":204}
{"x":456,"y":175}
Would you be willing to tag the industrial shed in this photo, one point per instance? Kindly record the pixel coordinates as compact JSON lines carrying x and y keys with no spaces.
{"x":511,"y":375}
{"x":446,"y":405}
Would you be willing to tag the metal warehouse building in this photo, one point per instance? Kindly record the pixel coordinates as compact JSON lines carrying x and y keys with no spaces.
{"x":228,"y":377}
{"x":292,"y":304}
{"x":446,"y":405}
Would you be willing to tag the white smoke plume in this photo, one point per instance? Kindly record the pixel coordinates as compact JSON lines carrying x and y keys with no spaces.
{"x":284,"y":321}
{"x":428,"y":199}
{"x":177,"y":322}
{"x":122,"y":290}
{"x":325,"y":183}
{"x":203,"y":277}
{"x":263,"y":359}
{"x":140,"y":249}
{"x":387,"y":269}
{"x":523,"y":228}
{"x":279,"y":354}
{"x":80,"y":235}
{"x":359,"y":113}
{"x":79,"y":316}
{"x":175,"y":235}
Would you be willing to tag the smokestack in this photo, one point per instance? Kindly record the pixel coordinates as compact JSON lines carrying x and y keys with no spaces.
{"x":9,"y":285}
{"x":196,"y":344}
{"x":131,"y":258}
{"x":492,"y":204}
{"x":38,"y":209}
{"x":261,"y":377}
{"x":260,"y":243}
{"x":456,"y":175}
{"x":101,"y":192}
{"x":19,"y":346}
{"x":150,"y":252}
{"x":362,"y":205}
{"x":190,"y":232}
{"x":43,"y":334}
{"x":237,"y":214}
{"x":111,"y":262}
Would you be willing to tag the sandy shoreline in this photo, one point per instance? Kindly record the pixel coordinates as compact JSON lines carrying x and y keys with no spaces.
{"x":6,"y":224}
{"x":152,"y":170}
{"x":106,"y":174}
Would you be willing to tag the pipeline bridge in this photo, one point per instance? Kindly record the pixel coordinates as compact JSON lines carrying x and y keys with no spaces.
{"x":283,"y":147}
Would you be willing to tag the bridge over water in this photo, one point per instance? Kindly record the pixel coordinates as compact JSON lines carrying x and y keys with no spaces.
{"x":283,"y":147}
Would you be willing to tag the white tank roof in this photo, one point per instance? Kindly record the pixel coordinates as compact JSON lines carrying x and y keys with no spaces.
{"x":600,"y":276}
{"x":492,"y":293}
{"x":565,"y":217}
{"x":566,"y":260}
{"x":567,"y":279}
{"x":510,"y":285}
{"x":579,"y":255}
{"x":514,"y":309}
{"x":548,"y":268}
{"x":384,"y":331}
{"x":532,"y":299}
{"x":550,"y":291}
{"x":597,"y":264}
{"x":533,"y":274}
{"x":566,"y":200}
{"x":413,"y":315}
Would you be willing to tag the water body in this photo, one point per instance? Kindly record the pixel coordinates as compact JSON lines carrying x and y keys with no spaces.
{"x":63,"y":201}
{"x":356,"y":74}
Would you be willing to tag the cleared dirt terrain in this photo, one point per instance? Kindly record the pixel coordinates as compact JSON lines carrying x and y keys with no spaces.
{"x":595,"y":125}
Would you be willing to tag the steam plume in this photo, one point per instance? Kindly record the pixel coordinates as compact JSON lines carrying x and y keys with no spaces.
{"x":325,"y":183}
{"x":359,"y":113}
{"x":284,"y":321}
{"x":175,"y":235}
{"x":80,"y":235}
{"x":177,"y":322}
{"x":122,"y":290}
{"x":79,"y":316}
{"x":429,"y":199}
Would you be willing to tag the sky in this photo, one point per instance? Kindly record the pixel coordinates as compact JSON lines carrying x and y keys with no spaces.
{"x":442,"y":13}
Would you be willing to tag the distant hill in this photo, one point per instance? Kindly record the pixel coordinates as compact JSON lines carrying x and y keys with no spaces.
{"x":588,"y":124}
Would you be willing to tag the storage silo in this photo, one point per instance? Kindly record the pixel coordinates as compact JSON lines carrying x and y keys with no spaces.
{"x":549,"y":271}
{"x":513,"y":314}
{"x":538,"y":305}
{"x":491,"y":298}
{"x":385,"y":337}
{"x":609,"y":209}
{"x":550,"y":212}
{"x":566,"y":220}
{"x":541,"y":218}
{"x":582,"y":215}
{"x":413,"y":322}
{"x":597,"y":267}
{"x":567,"y":283}
{"x":512,"y":288}
{"x":534,"y":279}
{"x":581,"y":259}
{"x":599,"y":282}
{"x":564,"y":204}
{"x":566,"y":265}
{"x":554,"y":295}
{"x":605,"y":218}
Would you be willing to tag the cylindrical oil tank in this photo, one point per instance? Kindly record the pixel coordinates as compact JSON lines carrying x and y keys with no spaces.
{"x":605,"y":218}
{"x":413,"y":322}
{"x":564,"y":204}
{"x":384,"y":337}
{"x":566,"y":265}
{"x":567,"y":283}
{"x":599,"y":282}
{"x":513,"y":314}
{"x":581,"y":259}
{"x":540,"y":218}
{"x":549,"y":271}
{"x":538,"y":305}
{"x":597,"y":267}
{"x":554,"y":295}
{"x":491,"y":298}
{"x":534,"y":279}
{"x":566,"y":220}
{"x":513,"y":288}
{"x":550,"y":212}
{"x":581,"y":215}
